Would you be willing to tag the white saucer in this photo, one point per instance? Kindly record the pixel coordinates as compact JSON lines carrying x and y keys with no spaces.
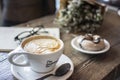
{"x":25,"y":73}
{"x":76,"y":46}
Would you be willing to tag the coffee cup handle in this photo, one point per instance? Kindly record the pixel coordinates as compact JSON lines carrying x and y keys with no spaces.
{"x":14,"y":53}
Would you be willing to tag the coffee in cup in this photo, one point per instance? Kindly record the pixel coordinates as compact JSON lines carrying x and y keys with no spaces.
{"x":41,"y":52}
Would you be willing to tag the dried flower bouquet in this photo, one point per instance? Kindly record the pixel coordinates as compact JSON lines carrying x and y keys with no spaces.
{"x":80,"y":15}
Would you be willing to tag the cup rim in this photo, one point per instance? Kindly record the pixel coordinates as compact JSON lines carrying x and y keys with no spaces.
{"x":25,"y":41}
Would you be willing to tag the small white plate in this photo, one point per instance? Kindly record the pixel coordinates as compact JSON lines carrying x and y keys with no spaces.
{"x":25,"y":73}
{"x":76,"y":46}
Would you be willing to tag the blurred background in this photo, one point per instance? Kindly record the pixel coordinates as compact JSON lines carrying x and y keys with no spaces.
{"x":114,"y":3}
{"x":0,"y":15}
{"x":20,"y":11}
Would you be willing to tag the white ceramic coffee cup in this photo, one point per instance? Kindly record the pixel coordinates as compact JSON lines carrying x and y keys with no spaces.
{"x":37,"y":62}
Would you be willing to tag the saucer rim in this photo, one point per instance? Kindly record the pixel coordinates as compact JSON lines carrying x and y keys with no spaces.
{"x":107,"y":44}
{"x":19,"y":77}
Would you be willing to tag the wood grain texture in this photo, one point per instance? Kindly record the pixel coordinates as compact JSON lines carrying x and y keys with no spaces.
{"x":92,"y":67}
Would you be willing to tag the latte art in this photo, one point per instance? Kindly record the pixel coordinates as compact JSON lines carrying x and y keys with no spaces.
{"x":42,"y":46}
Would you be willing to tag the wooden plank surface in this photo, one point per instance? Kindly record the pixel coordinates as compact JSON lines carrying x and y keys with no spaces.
{"x":91,"y":67}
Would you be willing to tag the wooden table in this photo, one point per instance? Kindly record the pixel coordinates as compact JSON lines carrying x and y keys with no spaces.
{"x":92,"y":67}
